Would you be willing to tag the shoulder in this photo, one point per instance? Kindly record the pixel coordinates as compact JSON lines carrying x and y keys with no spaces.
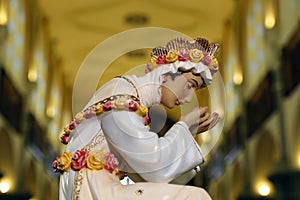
{"x":116,"y":86}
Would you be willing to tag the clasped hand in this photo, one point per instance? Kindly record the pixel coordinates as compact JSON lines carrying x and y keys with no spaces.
{"x":200,"y":120}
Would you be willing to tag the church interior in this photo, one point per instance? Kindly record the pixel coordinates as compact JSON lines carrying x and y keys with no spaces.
{"x":253,"y":153}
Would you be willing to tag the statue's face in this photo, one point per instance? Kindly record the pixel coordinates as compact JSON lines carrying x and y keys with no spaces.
{"x":179,"y":90}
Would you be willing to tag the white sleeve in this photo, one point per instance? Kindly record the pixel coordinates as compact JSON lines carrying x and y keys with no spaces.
{"x":156,"y":159}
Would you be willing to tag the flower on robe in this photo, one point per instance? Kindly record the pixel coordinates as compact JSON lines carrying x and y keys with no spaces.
{"x":79,"y":159}
{"x":96,"y":160}
{"x":62,"y":162}
{"x":111,"y":162}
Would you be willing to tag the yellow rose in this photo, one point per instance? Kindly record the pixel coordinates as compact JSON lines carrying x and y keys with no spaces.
{"x":196,"y":55}
{"x":214,"y":63}
{"x":67,"y":130}
{"x":64,"y":161}
{"x":121,"y":102}
{"x":171,"y":57}
{"x":96,"y":160}
{"x":142,"y":111}
{"x":98,"y":108}
{"x":79,"y":117}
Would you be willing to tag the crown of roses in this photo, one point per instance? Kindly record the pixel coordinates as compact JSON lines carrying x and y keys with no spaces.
{"x":180,"y":49}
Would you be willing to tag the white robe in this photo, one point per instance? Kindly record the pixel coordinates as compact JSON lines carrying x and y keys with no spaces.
{"x":157,"y":160}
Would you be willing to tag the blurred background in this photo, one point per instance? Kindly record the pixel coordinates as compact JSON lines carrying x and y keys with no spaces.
{"x":44,"y":42}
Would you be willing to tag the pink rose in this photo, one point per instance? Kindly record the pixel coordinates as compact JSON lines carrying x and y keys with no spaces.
{"x":89,"y":113}
{"x":64,"y":138}
{"x":107,"y":106}
{"x":111,"y":162}
{"x":206,"y":59}
{"x":161,"y":60}
{"x":79,"y":159}
{"x":133,"y":106}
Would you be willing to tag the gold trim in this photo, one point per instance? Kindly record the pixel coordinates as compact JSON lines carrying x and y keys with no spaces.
{"x":78,"y":178}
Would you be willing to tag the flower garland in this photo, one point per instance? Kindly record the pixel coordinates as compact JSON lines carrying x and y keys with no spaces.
{"x":182,"y":50}
{"x":94,"y":160}
{"x":193,"y":55}
{"x":119,"y":102}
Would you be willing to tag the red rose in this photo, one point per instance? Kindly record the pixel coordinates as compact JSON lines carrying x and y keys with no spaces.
{"x":107,"y":106}
{"x":72,"y":125}
{"x":64,"y":138}
{"x":161,"y":60}
{"x":79,"y":159}
{"x":133,"y":106}
{"x":184,"y":56}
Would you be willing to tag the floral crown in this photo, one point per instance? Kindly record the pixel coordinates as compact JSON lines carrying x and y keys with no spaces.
{"x":183,"y":50}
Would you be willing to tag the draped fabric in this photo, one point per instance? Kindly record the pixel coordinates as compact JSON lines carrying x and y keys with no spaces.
{"x":157,"y":160}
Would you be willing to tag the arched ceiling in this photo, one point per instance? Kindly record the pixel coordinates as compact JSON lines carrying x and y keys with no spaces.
{"x":78,"y":26}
